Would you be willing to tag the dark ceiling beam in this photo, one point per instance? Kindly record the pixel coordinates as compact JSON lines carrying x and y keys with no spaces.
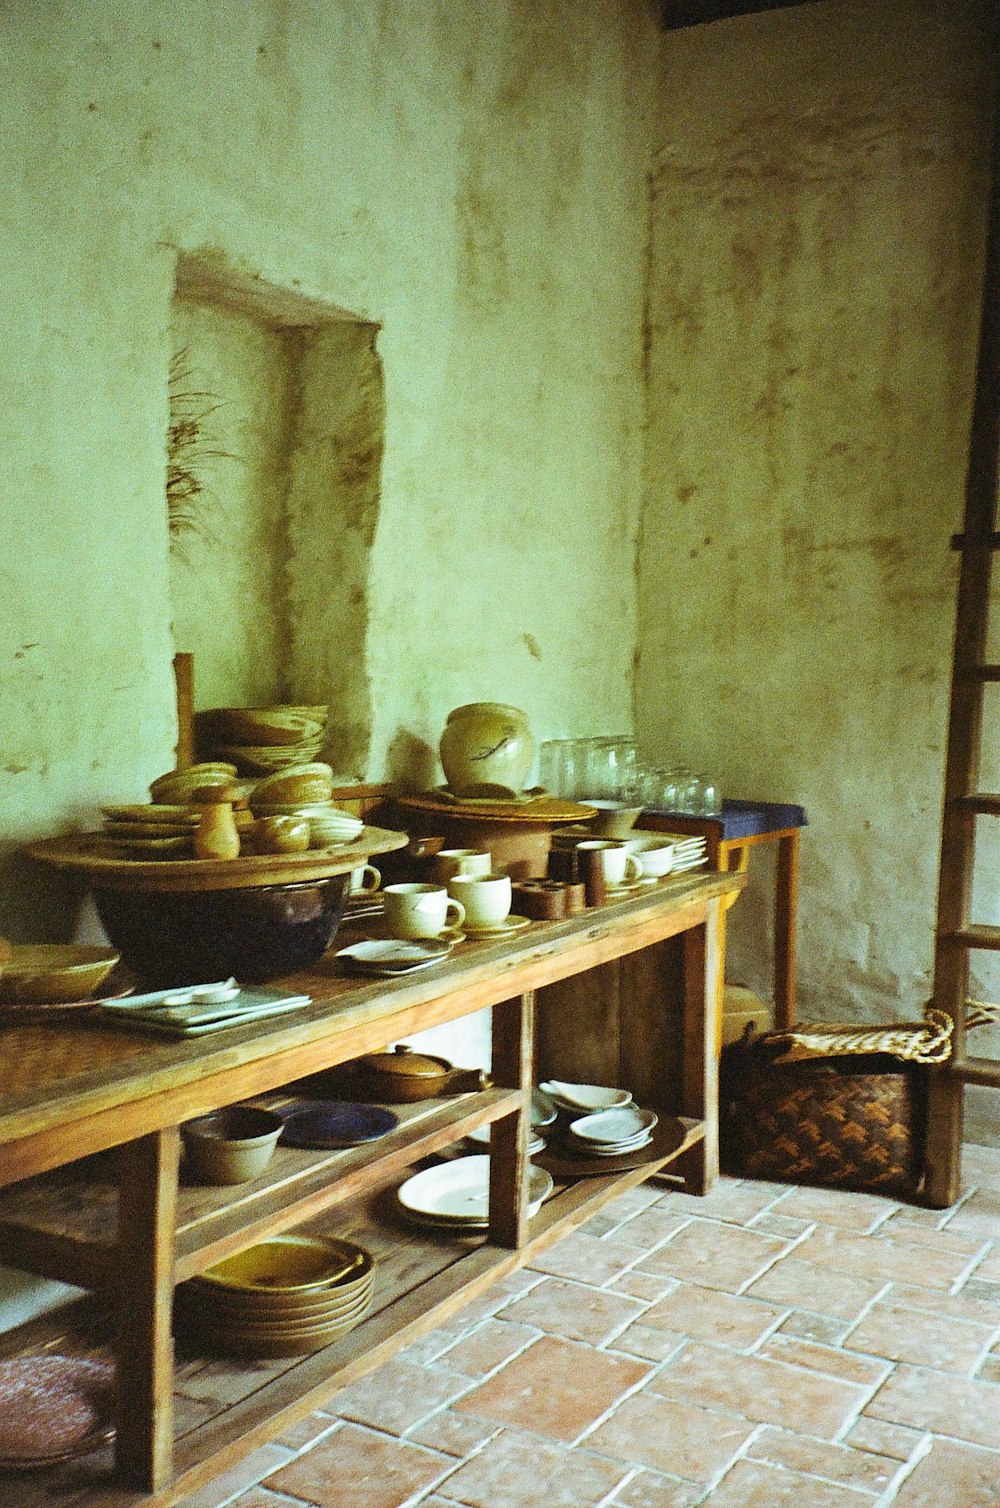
{"x":675,"y":14}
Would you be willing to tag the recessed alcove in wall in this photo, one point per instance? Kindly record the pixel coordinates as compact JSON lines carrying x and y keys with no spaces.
{"x":275,"y":450}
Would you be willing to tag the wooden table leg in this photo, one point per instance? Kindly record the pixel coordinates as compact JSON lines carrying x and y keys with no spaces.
{"x":785,"y":917}
{"x":700,"y":1167}
{"x":511,"y":1069}
{"x":147,"y":1205}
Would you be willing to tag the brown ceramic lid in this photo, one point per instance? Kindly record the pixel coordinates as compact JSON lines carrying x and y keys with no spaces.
{"x":404,"y":1063}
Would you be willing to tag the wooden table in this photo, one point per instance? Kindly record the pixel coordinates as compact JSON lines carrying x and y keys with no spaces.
{"x":739,"y":827}
{"x":123,"y":1223}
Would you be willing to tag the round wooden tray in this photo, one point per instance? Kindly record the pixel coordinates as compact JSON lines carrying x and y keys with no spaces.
{"x":541,"y":808}
{"x":566,"y":1162}
{"x":249,"y":871}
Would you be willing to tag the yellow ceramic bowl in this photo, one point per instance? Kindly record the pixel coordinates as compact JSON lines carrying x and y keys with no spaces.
{"x":291,"y":1264}
{"x":300,"y":783}
{"x":48,"y":973}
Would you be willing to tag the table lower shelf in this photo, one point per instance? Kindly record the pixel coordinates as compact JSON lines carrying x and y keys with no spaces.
{"x":223,"y":1408}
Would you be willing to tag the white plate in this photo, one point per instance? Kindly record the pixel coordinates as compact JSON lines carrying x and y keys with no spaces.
{"x":393,"y":955}
{"x":590,"y":1097}
{"x":459,"y":1191}
{"x":481,"y":1136}
{"x":509,"y":924}
{"x":616,"y":1127}
{"x":624,"y":1151}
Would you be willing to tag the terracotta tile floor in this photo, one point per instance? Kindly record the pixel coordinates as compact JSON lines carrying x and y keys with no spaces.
{"x":764,"y":1346}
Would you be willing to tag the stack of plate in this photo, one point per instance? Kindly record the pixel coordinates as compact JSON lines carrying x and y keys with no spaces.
{"x":285,"y":1296}
{"x":481,"y":1138}
{"x":584,"y":1097}
{"x":149,"y":832}
{"x":612,"y":1133}
{"x":455,"y":1196}
{"x":388,"y":956}
{"x":689,"y":852}
{"x":260,"y":740}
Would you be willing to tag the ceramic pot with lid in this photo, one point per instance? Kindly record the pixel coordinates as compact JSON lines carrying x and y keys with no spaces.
{"x":402,"y":1075}
{"x":487,"y":749}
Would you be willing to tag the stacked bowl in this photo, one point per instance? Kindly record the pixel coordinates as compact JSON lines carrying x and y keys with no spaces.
{"x":259,"y":740}
{"x":305,"y":790}
{"x":286,"y":1296}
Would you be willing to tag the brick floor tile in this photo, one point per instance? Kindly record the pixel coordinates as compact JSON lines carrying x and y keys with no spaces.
{"x":769,"y":1392}
{"x":643,"y":1340}
{"x":599,"y":1225}
{"x":770,"y":1223}
{"x":990,"y":1369}
{"x":979,"y":1215}
{"x":980,"y":1164}
{"x":522,"y":1471}
{"x":427,"y":1347}
{"x":989,"y":1267}
{"x":397,"y":1396}
{"x":865,"y":1470}
{"x":729,"y":1200}
{"x":262,"y":1497}
{"x":489,"y":1346}
{"x":648,"y":1489}
{"x":555,"y":1388}
{"x":359,"y":1468}
{"x":587,"y":1259}
{"x":986,"y":1293}
{"x":885,"y":1439}
{"x":926,"y":1235}
{"x":716,"y":1256}
{"x":643,"y":1285}
{"x":633,"y":1200}
{"x":960,"y":1475}
{"x":454,"y":1434}
{"x":821,"y":1290}
{"x":831,"y":1361}
{"x":574,"y":1310}
{"x":751,"y":1484}
{"x":882,"y":1257}
{"x":926,"y":1340}
{"x":306,"y":1432}
{"x":837,"y":1207}
{"x":678,"y":1438}
{"x":969,"y":1410}
{"x":722,"y":1317}
{"x":246,"y":1473}
{"x":821,"y":1328}
{"x":651,"y":1227}
{"x":964,"y":1306}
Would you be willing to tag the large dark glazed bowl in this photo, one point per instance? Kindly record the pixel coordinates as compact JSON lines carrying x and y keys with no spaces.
{"x":178,"y":937}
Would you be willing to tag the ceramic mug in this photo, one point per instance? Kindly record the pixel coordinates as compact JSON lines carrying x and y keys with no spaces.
{"x":485,"y":898}
{"x":365,"y":879}
{"x":420,"y":910}
{"x":618,"y":866}
{"x":451,"y":861}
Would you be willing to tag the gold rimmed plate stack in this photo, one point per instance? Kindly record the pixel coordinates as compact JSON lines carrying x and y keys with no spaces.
{"x":285,"y":1296}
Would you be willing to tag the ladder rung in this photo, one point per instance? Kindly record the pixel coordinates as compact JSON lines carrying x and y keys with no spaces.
{"x":975,"y":541}
{"x":978,"y":673}
{"x":978,"y":1071}
{"x":984,"y":802}
{"x":975,"y":937}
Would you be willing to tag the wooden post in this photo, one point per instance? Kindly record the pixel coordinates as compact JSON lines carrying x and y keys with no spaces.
{"x":184,"y":681}
{"x":512,"y":1041}
{"x":147,"y":1204}
{"x":701,"y":1049}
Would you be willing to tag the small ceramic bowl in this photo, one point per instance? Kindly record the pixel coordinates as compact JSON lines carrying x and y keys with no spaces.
{"x":280,"y":835}
{"x":178,"y":787}
{"x":614,"y":819}
{"x":232,"y":1145}
{"x":299,"y":783}
{"x":50,"y":973}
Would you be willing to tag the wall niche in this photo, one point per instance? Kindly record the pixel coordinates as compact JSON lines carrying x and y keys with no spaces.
{"x":274,"y":455}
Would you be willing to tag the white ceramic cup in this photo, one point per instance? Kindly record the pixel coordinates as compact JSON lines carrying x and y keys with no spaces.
{"x":420,"y":910}
{"x":364,"y":879}
{"x":451,"y":861}
{"x":620,"y":867}
{"x":485,"y":898}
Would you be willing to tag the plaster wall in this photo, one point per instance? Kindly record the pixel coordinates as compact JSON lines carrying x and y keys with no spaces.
{"x":818,"y":211}
{"x":471,"y":180}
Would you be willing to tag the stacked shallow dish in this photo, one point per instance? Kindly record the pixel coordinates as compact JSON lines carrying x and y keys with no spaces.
{"x":39,"y":978}
{"x":285,"y":1296}
{"x":612,"y":1133}
{"x":160,"y":830}
{"x":455,"y":1196}
{"x":306,"y":790}
{"x":261,"y":739}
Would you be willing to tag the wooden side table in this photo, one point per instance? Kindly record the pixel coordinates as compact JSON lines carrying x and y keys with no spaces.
{"x":740,"y":826}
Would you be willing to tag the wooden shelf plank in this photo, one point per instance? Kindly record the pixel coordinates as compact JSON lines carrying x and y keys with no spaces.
{"x":984,"y":1071}
{"x":974,"y":937}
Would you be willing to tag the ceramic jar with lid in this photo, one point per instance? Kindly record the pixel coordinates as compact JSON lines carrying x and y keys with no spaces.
{"x":403,"y":1075}
{"x":487,"y":749}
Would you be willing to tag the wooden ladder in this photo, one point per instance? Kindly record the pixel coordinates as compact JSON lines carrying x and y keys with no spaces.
{"x":957,"y":935}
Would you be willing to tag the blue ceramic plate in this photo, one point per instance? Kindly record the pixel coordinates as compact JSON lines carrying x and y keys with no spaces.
{"x":336,"y":1123}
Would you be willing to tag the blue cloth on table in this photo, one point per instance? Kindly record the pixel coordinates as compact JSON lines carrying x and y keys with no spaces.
{"x":746,"y":819}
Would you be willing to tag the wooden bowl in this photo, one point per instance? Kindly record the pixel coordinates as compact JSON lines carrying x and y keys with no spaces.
{"x":51,"y":973}
{"x":262,"y":726}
